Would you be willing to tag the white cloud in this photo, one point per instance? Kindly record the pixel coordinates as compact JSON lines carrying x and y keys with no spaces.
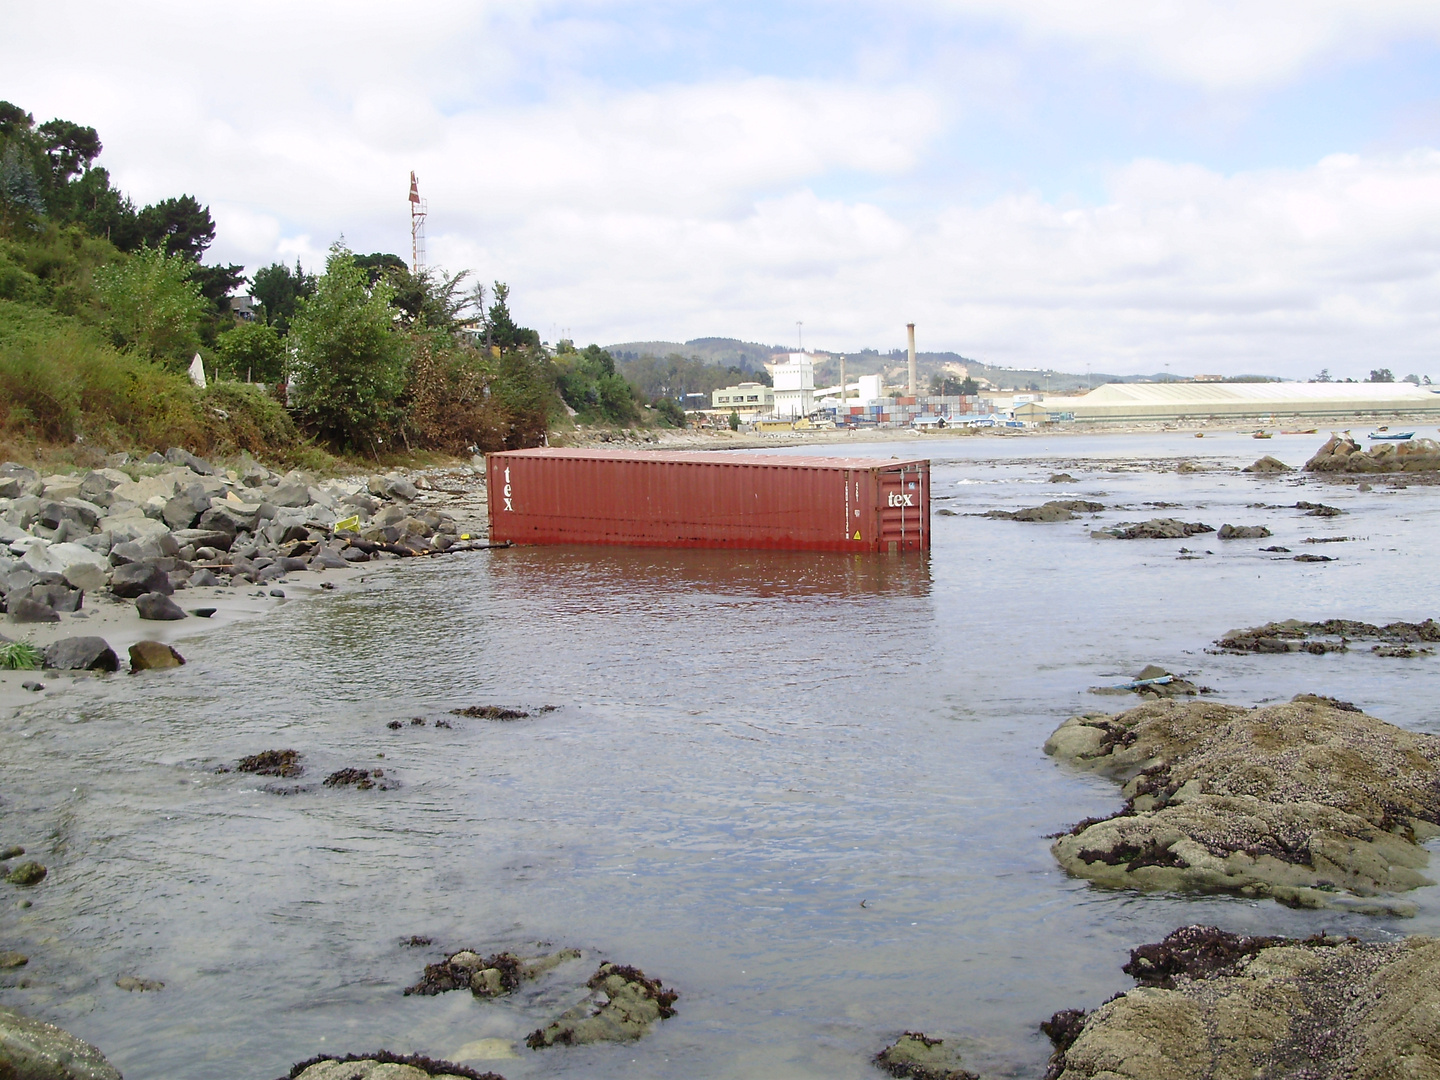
{"x":1278,"y":271}
{"x":740,"y":203}
{"x":1216,"y":44}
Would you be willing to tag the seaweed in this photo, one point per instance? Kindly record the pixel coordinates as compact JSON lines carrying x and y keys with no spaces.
{"x":450,"y":975}
{"x":490,"y":712}
{"x":284,"y":763}
{"x":432,"y":1066}
{"x":364,"y":779}
{"x":653,"y":987}
{"x":1194,"y":952}
{"x":1134,"y":856}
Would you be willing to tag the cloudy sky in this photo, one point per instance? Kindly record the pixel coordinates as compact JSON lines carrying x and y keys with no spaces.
{"x":1213,"y":185}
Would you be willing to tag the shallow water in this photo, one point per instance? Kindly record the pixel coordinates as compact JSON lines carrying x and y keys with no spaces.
{"x":746,"y":747}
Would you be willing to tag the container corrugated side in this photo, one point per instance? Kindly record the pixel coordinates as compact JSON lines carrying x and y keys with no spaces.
{"x":709,"y":500}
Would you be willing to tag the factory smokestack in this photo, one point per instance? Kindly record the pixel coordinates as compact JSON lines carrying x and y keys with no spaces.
{"x":910,"y":328}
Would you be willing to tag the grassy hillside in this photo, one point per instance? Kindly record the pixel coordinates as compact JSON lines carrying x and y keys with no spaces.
{"x":67,"y":394}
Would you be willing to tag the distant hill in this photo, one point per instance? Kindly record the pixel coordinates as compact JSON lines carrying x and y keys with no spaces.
{"x":726,"y":352}
{"x":893,"y":364}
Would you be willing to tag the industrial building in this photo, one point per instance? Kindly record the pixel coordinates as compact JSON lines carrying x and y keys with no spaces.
{"x":746,"y":399}
{"x":1196,"y":401}
{"x":794,"y":386}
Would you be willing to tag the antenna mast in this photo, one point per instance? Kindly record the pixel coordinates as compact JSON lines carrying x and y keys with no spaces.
{"x":418,"y":208}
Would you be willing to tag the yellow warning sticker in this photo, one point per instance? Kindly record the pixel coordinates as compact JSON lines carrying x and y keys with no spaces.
{"x":857,"y":534}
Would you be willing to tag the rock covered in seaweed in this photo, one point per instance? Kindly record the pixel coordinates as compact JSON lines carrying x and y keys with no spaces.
{"x":916,"y":1056}
{"x":1154,"y":529}
{"x":1055,"y":510}
{"x":1213,"y":1004}
{"x":383,"y":1065}
{"x":492,"y":976}
{"x":623,"y":1005}
{"x":1332,"y":635}
{"x":32,"y":1050}
{"x":1311,"y":802}
{"x":1267,"y":464}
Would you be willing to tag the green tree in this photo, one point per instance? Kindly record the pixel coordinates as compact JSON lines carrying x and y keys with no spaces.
{"x":280,"y":290}
{"x":1383,"y":374}
{"x":524,"y":389}
{"x":734,"y":420}
{"x":20,"y":197}
{"x":152,"y":308}
{"x":348,"y":370}
{"x":969,"y":388}
{"x":181,"y":226}
{"x":501,"y":330}
{"x":670,"y":413}
{"x":252,"y":352}
{"x":588,"y":382}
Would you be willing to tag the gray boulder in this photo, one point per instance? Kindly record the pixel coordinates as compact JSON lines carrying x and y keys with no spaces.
{"x":82,"y":654}
{"x":254,"y":474}
{"x":85,"y":576}
{"x":360,"y":501}
{"x":99,"y":487}
{"x":32,"y":1050}
{"x":185,"y":509}
{"x":83,"y":512}
{"x":198,"y":538}
{"x":23,"y":511}
{"x":176,"y":456}
{"x":58,"y":596}
{"x":226,"y":518}
{"x":20,"y":472}
{"x":1242,"y":532}
{"x":203,"y":579}
{"x":158,"y":607}
{"x":135,"y":579}
{"x":289,"y":493}
{"x":26,"y":610}
{"x":150,"y":548}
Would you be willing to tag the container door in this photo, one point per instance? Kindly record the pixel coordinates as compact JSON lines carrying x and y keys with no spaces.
{"x":904,"y":508}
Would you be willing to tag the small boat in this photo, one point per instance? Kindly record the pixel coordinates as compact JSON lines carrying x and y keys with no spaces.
{"x":1301,"y":431}
{"x":1262,"y":435}
{"x":1392,"y":436}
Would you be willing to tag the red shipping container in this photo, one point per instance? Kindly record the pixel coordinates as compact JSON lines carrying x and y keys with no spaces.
{"x":709,"y":500}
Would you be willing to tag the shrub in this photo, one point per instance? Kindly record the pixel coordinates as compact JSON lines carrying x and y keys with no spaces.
{"x":251,"y":352}
{"x":152,"y":307}
{"x":348,"y":369}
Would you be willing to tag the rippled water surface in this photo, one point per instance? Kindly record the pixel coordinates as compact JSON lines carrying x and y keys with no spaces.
{"x":745,"y":747}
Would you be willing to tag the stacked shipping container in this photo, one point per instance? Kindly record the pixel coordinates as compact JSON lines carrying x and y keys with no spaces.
{"x":902,"y":411}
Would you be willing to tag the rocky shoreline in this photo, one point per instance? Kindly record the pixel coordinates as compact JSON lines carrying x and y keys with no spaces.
{"x":135,"y":555}
{"x":1212,"y":1004}
{"x":1311,"y":802}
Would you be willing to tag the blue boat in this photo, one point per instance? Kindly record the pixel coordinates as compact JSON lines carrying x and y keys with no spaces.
{"x":1392,"y":436}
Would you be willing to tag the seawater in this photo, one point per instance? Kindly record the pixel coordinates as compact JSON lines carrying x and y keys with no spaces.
{"x":807,"y":791}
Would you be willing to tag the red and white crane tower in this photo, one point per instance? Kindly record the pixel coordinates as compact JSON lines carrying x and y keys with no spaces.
{"x":417,"y":225}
